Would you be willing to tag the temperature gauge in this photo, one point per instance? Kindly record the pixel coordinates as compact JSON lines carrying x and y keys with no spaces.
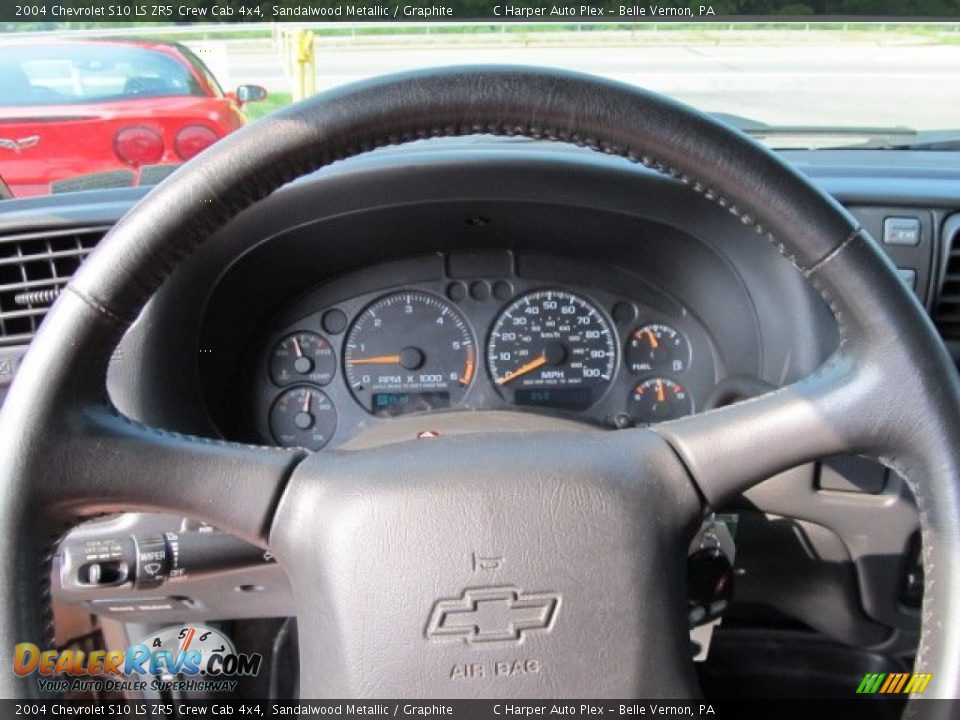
{"x":657,"y":347}
{"x":658,"y":399}
{"x":302,"y":357}
{"x":303,"y":417}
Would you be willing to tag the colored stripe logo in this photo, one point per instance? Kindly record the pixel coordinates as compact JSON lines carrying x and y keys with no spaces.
{"x":893,"y":683}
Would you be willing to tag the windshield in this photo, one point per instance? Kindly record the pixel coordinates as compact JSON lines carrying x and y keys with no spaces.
{"x":57,"y":74}
{"x":145,"y":103}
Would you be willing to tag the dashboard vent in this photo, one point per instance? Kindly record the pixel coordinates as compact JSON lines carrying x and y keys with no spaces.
{"x":34,"y":268}
{"x":947,"y":312}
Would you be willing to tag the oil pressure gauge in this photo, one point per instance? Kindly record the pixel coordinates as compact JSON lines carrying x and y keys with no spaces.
{"x":303,"y":416}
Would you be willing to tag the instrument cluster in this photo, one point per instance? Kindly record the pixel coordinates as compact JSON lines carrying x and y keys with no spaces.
{"x":337,"y":363}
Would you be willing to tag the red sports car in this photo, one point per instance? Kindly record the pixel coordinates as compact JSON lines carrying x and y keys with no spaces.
{"x":95,"y":114}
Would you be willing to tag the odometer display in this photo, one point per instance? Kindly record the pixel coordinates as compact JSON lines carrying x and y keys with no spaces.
{"x":573,"y":398}
{"x":553,"y":342}
{"x":409,"y":352}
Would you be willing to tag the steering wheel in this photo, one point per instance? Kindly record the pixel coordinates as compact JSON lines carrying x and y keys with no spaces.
{"x":589,"y":530}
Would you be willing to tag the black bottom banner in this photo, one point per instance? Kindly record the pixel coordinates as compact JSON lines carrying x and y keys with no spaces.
{"x":873,"y":708}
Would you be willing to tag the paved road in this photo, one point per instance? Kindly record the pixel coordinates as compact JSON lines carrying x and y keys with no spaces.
{"x":803,"y":84}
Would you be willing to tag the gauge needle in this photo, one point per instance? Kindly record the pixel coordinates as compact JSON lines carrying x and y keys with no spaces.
{"x":661,"y":395}
{"x":376,"y":360}
{"x":306,"y":402}
{"x":523,"y":369}
{"x":468,"y":371}
{"x":188,"y":639}
{"x":653,"y":339}
{"x":296,"y":347}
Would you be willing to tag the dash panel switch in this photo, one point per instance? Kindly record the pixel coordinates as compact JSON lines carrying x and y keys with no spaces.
{"x":901,"y":231}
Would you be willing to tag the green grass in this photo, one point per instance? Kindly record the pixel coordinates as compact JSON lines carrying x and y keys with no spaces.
{"x":274,"y":101}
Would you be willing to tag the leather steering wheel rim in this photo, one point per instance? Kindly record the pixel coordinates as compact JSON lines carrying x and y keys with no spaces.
{"x":68,"y":455}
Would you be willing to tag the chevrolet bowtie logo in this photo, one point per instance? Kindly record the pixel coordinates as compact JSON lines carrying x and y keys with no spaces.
{"x":21,"y":144}
{"x":492,"y":614}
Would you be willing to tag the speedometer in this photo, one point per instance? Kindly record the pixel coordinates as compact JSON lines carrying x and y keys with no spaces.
{"x":552,"y":348}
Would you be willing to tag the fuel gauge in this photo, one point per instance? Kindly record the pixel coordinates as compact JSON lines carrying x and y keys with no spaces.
{"x":657,"y":347}
{"x":657,"y":400}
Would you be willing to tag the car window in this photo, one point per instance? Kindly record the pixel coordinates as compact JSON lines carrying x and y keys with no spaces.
{"x":68,"y":74}
{"x":202,"y":68}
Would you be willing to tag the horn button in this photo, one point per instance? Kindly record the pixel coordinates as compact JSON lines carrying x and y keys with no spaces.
{"x":506,"y":565}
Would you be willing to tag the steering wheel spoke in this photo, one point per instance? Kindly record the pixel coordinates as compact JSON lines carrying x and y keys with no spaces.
{"x":729,"y":449}
{"x":112,"y":464}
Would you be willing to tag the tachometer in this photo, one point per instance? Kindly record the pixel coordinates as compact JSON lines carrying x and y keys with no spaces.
{"x":409,"y":352}
{"x":552,"y":348}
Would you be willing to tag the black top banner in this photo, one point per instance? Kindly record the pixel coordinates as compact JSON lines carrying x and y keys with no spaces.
{"x":56,"y":12}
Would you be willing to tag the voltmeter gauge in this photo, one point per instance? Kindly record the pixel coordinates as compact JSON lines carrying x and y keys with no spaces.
{"x":657,"y":348}
{"x":302,"y":357}
{"x":303,"y":416}
{"x":657,"y":400}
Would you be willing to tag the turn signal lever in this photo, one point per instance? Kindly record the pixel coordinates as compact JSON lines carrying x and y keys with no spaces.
{"x":147,"y":561}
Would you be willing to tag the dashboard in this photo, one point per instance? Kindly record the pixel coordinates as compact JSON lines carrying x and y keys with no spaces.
{"x":405,"y":286}
{"x":490,"y":330}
